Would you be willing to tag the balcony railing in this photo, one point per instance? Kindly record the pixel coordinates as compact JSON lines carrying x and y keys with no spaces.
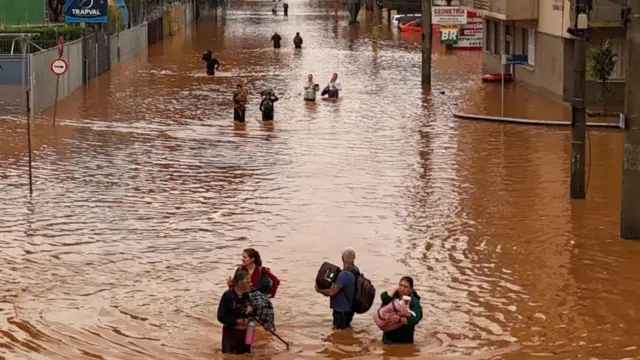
{"x":605,"y":13}
{"x":504,"y":9}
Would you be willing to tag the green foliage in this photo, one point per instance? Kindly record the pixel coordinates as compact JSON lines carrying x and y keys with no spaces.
{"x":114,"y":16}
{"x":47,"y":36}
{"x":601,"y":62}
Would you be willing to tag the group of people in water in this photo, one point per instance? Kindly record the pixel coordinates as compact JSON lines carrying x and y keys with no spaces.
{"x":237,"y":313}
{"x":285,"y":8}
{"x":240,"y":97}
{"x":332,"y":90}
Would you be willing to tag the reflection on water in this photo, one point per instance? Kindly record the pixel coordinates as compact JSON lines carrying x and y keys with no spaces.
{"x":145,"y":194}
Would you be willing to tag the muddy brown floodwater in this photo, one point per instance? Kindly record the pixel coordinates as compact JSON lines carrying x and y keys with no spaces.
{"x":145,"y":195}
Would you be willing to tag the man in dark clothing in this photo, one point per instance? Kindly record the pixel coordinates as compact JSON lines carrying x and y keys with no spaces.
{"x":239,"y":104}
{"x":342,"y":291}
{"x":212,"y":63}
{"x":285,"y":7}
{"x":276,"y":40}
{"x":297,"y":41}
{"x":266,"y":105}
{"x":232,"y":313}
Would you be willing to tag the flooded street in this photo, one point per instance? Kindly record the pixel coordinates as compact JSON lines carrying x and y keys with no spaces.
{"x":145,"y":196}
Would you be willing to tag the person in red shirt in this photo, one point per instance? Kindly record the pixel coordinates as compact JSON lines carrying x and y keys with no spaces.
{"x":261,"y":277}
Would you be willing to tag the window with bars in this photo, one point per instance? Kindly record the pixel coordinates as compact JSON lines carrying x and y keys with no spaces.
{"x":619,"y":47}
{"x":488,"y":36}
{"x":496,"y":38}
{"x":531,"y":46}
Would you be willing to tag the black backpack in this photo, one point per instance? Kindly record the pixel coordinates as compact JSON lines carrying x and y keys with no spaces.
{"x":267,"y":106}
{"x":365,"y":292}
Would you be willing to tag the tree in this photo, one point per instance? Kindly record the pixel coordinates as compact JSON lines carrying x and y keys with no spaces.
{"x":601,"y":63}
{"x":56,"y":8}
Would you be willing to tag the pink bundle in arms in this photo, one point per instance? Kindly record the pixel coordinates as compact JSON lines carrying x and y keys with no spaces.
{"x":388,"y":317}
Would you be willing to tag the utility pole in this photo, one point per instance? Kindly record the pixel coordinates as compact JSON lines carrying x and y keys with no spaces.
{"x":376,"y":25}
{"x":426,"y":42}
{"x":630,"y":214}
{"x":578,"y":111}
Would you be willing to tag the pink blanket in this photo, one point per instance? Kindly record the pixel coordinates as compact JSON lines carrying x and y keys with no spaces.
{"x":387,"y":316}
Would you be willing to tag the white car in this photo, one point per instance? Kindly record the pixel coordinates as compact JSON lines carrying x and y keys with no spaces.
{"x":398,"y":19}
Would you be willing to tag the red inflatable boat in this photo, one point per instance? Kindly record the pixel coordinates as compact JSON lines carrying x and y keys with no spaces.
{"x":413,"y":26}
{"x":497,"y":77}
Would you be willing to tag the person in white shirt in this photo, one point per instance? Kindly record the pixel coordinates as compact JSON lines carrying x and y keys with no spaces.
{"x":334,"y":87}
{"x":310,"y":89}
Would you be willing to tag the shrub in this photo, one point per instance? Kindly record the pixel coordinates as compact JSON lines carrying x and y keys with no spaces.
{"x":115,"y":17}
{"x":47,"y":37}
{"x":601,"y":63}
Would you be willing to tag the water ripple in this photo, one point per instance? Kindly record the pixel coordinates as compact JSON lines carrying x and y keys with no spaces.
{"x":145,"y":195}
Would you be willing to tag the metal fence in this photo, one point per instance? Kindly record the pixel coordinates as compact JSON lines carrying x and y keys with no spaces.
{"x":86,"y":58}
{"x":155,"y":32}
{"x":128,"y":44}
{"x":43,"y":81}
{"x":96,"y":55}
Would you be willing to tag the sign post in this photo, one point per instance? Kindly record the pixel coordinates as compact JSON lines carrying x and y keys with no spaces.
{"x":508,"y":60}
{"x":58,"y":67}
{"x":60,"y":53}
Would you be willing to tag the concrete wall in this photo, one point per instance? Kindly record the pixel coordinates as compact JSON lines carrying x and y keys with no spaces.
{"x":553,"y":20}
{"x":548,"y":71}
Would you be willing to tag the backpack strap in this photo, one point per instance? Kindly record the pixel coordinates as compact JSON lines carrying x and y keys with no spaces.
{"x":355,"y":273}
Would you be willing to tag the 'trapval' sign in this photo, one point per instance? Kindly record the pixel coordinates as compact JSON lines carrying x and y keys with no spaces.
{"x":85,"y":11}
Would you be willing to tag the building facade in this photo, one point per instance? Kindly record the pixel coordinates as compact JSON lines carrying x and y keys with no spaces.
{"x":538,"y":29}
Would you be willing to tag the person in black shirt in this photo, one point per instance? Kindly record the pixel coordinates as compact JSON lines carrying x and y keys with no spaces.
{"x":297,"y":41}
{"x":233,"y":314}
{"x":212,"y":63}
{"x":285,"y":7}
{"x":276,"y":40}
{"x":266,"y":105}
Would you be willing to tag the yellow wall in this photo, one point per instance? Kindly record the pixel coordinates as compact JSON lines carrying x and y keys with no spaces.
{"x":551,"y":21}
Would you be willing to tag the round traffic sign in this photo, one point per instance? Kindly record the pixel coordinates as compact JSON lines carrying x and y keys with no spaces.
{"x":59,"y":67}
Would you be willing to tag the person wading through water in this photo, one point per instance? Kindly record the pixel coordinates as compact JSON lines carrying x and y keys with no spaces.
{"x":333,"y":88}
{"x":297,"y":41}
{"x":276,"y":40}
{"x":266,"y":105}
{"x":310,"y":89}
{"x":240,"y":104}
{"x":343,"y":291}
{"x":233,"y":313}
{"x":262,"y":279}
{"x":212,"y":63}
{"x":403,"y":334}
